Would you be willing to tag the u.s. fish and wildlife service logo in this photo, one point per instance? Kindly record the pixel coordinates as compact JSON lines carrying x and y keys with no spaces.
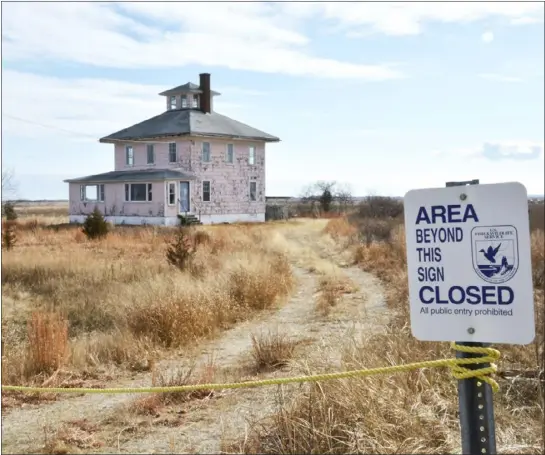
{"x":495,"y":252}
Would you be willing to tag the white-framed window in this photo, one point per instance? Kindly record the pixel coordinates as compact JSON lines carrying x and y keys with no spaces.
{"x":129,"y":155}
{"x":172,"y":102}
{"x":206,"y":191}
{"x":92,"y":193}
{"x":195,"y":102}
{"x":251,"y":155}
{"x":138,"y":192}
{"x":230,"y":153}
{"x":171,"y":193}
{"x":253,"y":191}
{"x":206,"y":152}
{"x":150,"y":154}
{"x":172,"y":153}
{"x":184,"y":101}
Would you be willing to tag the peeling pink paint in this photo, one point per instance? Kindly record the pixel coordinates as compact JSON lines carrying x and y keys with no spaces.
{"x":230,"y":182}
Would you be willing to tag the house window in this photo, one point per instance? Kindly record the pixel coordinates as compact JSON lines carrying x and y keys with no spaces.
{"x":171,"y":193}
{"x":184,"y":101}
{"x":129,"y":155}
{"x":253,"y":191}
{"x":172,"y":102}
{"x":251,"y":155}
{"x":138,"y":192}
{"x":206,"y":191}
{"x":195,"y":101}
{"x":172,"y":154}
{"x":151,"y":154}
{"x":91,"y":193}
{"x":229,"y":157}
{"x":206,"y":152}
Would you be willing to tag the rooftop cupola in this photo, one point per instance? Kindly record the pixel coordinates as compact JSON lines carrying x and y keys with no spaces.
{"x":191,"y":96}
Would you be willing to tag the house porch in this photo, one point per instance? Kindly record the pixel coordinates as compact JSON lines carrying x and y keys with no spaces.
{"x":132,"y":197}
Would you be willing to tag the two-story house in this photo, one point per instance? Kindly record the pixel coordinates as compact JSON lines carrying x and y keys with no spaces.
{"x":189,"y":160}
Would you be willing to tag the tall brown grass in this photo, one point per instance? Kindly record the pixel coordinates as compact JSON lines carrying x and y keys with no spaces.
{"x":123,"y":302}
{"x":47,"y":342}
{"x":406,"y":413}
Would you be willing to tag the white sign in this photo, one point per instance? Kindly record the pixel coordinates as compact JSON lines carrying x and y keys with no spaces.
{"x":469,"y":266}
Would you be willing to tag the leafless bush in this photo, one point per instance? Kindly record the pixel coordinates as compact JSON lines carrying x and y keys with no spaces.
{"x":375,"y":230}
{"x":380,"y":207}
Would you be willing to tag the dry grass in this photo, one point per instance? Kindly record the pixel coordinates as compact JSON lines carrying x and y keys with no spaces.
{"x":339,"y":228}
{"x":153,"y":404}
{"x":404,"y":413}
{"x":77,"y":436}
{"x":120,"y":302}
{"x":47,"y":343}
{"x":331,"y":287}
{"x":272,"y":350}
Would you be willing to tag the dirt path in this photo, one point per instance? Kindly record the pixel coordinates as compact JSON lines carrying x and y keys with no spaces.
{"x":224,"y":417}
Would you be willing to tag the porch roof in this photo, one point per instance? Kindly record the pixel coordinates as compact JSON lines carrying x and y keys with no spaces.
{"x":142,"y":175}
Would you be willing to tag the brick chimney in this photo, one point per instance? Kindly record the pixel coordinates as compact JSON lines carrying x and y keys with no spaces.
{"x":206,"y":96}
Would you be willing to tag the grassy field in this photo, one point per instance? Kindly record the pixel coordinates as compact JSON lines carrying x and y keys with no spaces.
{"x":83,"y":305}
{"x":96,"y":313}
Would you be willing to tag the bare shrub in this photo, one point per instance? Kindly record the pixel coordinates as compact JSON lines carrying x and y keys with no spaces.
{"x":272,"y":350}
{"x":380,"y":207}
{"x":375,"y":230}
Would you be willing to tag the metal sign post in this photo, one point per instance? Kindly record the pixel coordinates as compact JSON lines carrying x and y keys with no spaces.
{"x":475,"y":398}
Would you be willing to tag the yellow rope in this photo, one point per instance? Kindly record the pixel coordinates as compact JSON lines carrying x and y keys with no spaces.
{"x":489,"y":355}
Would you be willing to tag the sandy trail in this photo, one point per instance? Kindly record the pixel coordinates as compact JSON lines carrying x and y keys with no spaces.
{"x":224,"y":417}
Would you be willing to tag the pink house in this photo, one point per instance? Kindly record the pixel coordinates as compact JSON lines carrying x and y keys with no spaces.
{"x":188,"y":161}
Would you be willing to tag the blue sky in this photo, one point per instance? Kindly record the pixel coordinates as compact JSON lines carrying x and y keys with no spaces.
{"x":383,"y":97}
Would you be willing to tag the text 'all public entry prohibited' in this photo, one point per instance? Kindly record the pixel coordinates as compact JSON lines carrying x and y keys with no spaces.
{"x":469,"y":267}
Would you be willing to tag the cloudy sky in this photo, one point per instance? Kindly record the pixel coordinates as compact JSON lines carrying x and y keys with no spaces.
{"x":385,"y":97}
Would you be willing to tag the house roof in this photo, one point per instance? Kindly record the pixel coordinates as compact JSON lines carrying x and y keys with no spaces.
{"x":188,"y":87}
{"x":188,"y":122}
{"x":142,"y":175}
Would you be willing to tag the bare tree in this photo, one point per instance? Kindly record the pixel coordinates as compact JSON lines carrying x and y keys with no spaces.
{"x":9,"y":185}
{"x":326,"y":195}
{"x":343,"y":196}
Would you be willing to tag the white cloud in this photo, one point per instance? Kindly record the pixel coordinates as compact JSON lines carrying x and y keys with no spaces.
{"x":264,"y":37}
{"x":78,"y":109}
{"x":487,"y":37}
{"x":247,"y":36}
{"x":499,"y":77}
{"x":408,"y":18}
{"x":500,"y":150}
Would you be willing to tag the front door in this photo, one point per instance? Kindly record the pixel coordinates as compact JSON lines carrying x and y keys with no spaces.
{"x":184,"y":197}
